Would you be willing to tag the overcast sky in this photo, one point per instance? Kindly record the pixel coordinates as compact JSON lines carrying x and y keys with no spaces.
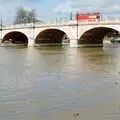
{"x":50,"y":9}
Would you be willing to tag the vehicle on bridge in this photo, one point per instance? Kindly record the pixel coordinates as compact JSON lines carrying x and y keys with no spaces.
{"x":88,"y":16}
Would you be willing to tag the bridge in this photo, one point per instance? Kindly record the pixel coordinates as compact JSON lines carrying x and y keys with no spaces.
{"x":72,"y":33}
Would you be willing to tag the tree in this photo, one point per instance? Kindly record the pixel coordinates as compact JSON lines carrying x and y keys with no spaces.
{"x":25,"y":16}
{"x":31,"y":16}
{"x":20,"y":16}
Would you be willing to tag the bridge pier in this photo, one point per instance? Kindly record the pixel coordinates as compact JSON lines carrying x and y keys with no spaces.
{"x":73,"y":43}
{"x":31,"y":43}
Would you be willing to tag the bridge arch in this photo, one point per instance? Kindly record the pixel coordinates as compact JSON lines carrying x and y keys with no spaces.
{"x":15,"y":37}
{"x":52,"y":36}
{"x":96,"y":35}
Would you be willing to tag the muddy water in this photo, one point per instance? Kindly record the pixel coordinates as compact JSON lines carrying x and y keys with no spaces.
{"x":57,"y":83}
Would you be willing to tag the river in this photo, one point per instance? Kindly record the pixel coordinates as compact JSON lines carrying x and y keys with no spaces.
{"x":60,"y":83}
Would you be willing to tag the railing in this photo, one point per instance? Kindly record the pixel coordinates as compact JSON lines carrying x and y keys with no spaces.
{"x":62,"y":22}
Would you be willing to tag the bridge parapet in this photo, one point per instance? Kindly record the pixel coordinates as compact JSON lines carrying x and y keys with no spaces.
{"x":38,"y":24}
{"x":17,"y":26}
{"x":60,"y":23}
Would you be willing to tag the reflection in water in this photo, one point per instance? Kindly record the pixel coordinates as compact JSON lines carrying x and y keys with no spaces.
{"x":55,"y":83}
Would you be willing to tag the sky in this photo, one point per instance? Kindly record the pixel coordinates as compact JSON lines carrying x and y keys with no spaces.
{"x":60,"y":9}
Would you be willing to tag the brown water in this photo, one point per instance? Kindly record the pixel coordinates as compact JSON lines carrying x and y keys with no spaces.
{"x":60,"y":83}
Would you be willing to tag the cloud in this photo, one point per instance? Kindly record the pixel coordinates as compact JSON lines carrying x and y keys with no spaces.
{"x":103,"y":6}
{"x":116,"y":7}
{"x":64,"y":7}
{"x":8,"y":8}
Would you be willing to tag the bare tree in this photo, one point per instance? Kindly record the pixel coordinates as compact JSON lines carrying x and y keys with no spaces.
{"x":25,"y":16}
{"x":32,"y":16}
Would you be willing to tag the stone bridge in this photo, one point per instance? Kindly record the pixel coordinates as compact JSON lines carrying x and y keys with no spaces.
{"x":72,"y":33}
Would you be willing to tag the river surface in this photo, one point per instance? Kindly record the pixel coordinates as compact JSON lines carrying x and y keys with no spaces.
{"x":60,"y":83}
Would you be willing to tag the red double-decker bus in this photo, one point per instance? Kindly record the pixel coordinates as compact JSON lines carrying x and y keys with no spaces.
{"x":88,"y":16}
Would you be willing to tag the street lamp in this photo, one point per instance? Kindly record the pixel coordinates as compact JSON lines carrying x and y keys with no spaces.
{"x":1,"y":24}
{"x":34,"y":20}
{"x":71,"y":15}
{"x":77,"y":26}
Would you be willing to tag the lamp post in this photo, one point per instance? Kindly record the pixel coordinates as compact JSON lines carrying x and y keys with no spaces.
{"x":77,"y":26}
{"x":71,"y":16}
{"x":1,"y":24}
{"x":34,"y":20}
